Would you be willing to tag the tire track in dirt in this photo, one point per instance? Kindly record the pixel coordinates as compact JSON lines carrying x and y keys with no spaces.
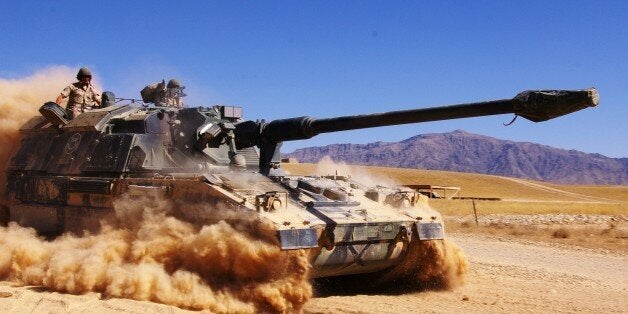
{"x":584,"y":197}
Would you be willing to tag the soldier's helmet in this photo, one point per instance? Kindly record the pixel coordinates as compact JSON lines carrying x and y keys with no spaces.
{"x":174,"y":83}
{"x":83,"y":72}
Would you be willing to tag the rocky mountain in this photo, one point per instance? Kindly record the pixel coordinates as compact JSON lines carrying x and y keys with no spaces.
{"x":465,"y":152}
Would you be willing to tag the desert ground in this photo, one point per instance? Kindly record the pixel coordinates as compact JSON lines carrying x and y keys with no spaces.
{"x":543,"y":248}
{"x":509,"y":275}
{"x":506,"y":275}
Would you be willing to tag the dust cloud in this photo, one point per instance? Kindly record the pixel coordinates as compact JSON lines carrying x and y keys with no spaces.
{"x":434,"y":265}
{"x":326,"y":166}
{"x":149,"y":254}
{"x":428,"y":266}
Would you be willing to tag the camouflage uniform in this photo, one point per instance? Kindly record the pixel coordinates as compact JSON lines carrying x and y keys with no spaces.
{"x":81,"y":98}
{"x":167,"y":98}
{"x":163,"y":95}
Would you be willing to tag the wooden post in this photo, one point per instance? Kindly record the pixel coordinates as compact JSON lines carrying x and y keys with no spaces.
{"x":475,"y":213}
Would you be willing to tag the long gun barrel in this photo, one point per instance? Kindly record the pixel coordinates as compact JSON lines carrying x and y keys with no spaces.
{"x":536,"y":106}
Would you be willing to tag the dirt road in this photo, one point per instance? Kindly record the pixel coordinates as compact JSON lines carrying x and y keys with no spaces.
{"x":504,"y":276}
{"x":577,"y":196}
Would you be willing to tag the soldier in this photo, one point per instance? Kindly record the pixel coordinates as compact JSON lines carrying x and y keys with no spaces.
{"x":81,"y":95}
{"x":163,"y":95}
{"x":172,"y":96}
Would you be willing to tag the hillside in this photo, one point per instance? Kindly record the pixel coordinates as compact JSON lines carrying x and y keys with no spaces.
{"x":461,"y":151}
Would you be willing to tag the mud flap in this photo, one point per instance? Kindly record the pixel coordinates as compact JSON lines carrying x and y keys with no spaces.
{"x":430,"y":231}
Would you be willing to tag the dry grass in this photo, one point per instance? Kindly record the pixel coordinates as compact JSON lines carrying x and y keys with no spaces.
{"x":612,"y":237}
{"x":465,"y":207}
{"x":612,"y":192}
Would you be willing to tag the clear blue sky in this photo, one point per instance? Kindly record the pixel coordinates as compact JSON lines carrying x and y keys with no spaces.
{"x":280,"y":59}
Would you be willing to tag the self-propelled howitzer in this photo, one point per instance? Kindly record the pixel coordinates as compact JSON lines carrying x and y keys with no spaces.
{"x":66,"y":175}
